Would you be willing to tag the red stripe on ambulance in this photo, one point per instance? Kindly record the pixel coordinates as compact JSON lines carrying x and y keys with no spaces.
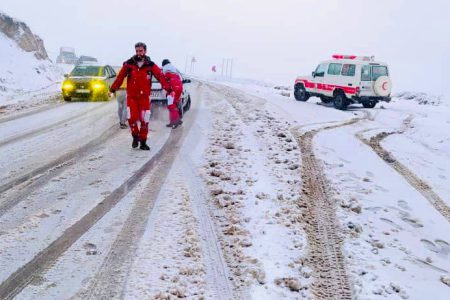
{"x":327,"y":87}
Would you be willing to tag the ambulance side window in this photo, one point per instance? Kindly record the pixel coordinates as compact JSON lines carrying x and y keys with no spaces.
{"x":320,"y":70}
{"x":365,"y":73}
{"x":334,"y":69}
{"x":348,"y":70}
{"x":378,"y":71}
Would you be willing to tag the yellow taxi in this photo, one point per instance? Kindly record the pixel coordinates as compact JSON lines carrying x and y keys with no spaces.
{"x":90,"y":82}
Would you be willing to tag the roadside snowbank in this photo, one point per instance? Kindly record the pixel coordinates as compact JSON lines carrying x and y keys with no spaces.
{"x":22,"y":75}
{"x":420,"y":98}
{"x":396,"y":242}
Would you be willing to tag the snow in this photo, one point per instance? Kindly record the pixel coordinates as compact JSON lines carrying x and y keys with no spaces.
{"x":22,"y":75}
{"x":400,"y":248}
{"x":254,"y":164}
{"x":393,"y":214}
{"x":222,"y":214}
{"x":48,"y":211}
{"x":228,"y":220}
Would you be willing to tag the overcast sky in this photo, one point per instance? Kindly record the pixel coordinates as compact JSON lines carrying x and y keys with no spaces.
{"x":269,"y":40}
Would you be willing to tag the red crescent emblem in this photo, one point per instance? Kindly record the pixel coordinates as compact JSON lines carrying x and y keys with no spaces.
{"x":384,"y":86}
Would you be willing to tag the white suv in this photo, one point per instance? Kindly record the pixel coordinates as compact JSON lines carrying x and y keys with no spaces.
{"x":346,"y":79}
{"x":158,"y":95}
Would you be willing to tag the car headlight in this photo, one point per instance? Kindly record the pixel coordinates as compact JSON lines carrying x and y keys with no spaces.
{"x":67,"y":86}
{"x":98,"y":86}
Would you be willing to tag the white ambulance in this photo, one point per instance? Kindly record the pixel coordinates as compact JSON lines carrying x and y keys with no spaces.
{"x":346,"y":79}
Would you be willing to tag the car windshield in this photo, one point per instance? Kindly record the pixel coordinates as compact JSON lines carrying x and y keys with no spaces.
{"x":88,"y":71}
{"x":378,"y":71}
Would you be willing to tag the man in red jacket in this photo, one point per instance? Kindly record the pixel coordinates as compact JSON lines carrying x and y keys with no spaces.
{"x":139,"y":71}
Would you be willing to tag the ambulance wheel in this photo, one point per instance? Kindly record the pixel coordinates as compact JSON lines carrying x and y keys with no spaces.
{"x":369,"y":104}
{"x":325,"y":99}
{"x":300,"y":93}
{"x":340,"y":101}
{"x":66,"y":98}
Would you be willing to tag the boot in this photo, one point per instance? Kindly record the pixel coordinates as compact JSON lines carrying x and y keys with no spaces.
{"x":173,"y":116}
{"x":144,"y":146}
{"x":135,"y":142}
{"x":176,"y":124}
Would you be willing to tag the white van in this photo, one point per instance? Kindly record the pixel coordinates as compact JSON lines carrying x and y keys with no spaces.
{"x":346,"y":79}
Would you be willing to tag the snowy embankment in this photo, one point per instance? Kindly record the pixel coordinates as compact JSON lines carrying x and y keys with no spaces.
{"x":252,"y":170}
{"x":394,"y":210}
{"x":24,"y":79}
{"x":22,"y":73}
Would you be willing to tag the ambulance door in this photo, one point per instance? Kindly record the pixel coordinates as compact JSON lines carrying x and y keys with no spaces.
{"x":319,"y":75}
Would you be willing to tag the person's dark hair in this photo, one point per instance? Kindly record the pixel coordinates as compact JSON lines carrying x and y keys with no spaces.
{"x":141,"y":44}
{"x":165,"y":62}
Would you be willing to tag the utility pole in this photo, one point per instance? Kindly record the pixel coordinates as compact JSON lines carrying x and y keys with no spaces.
{"x":193,"y":61}
{"x":226,"y":74}
{"x":227,"y":67}
{"x":231,"y":69}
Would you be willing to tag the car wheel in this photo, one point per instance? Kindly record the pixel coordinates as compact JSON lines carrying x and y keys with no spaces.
{"x":181,"y":110}
{"x":66,"y":98}
{"x":188,"y":104}
{"x":300,"y":93}
{"x":340,"y":101}
{"x":369,"y":104}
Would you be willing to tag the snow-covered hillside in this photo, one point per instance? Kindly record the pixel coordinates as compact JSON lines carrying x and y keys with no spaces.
{"x":23,"y":73}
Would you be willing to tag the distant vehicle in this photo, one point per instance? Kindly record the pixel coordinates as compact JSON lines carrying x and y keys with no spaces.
{"x":66,"y":56}
{"x":87,"y":60}
{"x":89,"y":82}
{"x":158,"y":95}
{"x":346,"y":79}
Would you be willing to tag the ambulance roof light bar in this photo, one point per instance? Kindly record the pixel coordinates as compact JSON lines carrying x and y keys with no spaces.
{"x":340,"y":56}
{"x":363,"y":58}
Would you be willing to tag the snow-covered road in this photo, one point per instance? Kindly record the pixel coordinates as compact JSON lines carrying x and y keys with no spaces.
{"x":256,"y":196}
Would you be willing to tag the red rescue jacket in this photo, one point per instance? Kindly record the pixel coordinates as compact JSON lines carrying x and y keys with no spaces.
{"x":173,"y":78}
{"x":139,"y":80}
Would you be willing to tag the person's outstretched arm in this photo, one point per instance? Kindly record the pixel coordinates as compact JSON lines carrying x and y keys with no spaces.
{"x":160,"y":76}
{"x":119,"y":80}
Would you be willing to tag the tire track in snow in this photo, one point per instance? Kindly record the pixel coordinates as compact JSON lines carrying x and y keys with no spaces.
{"x":48,"y":100}
{"x":420,"y":185}
{"x":322,"y":227}
{"x":324,"y":236}
{"x":16,"y":282}
{"x":229,"y":233}
{"x":30,"y":112}
{"x":81,"y":115}
{"x":217,"y":270}
{"x":40,"y":176}
{"x":111,"y":279}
